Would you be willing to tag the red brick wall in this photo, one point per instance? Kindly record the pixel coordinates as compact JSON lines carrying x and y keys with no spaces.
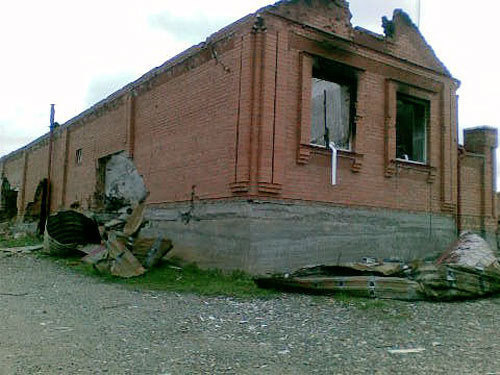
{"x":96,"y":138}
{"x":477,"y":169}
{"x":410,"y":187}
{"x":231,"y":118}
{"x":36,"y":171}
{"x":13,"y":171}
{"x":57,"y":172}
{"x":471,"y":191}
{"x":185,"y":131}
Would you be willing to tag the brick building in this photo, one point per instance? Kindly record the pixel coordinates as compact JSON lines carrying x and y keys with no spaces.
{"x":287,"y":138}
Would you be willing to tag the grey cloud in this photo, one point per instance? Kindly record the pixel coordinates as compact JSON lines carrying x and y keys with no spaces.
{"x":192,"y":29}
{"x":102,"y":86}
{"x":368,"y":13}
{"x":9,"y":143}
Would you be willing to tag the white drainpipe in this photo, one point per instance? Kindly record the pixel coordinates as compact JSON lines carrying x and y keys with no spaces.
{"x":334,"y":163}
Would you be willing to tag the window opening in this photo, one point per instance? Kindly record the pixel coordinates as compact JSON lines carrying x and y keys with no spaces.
{"x":411,"y":129}
{"x":332,"y":104}
{"x":330,"y":114}
{"x":78,"y":156}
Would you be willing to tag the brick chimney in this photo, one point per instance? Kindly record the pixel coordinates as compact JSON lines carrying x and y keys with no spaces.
{"x":480,"y":140}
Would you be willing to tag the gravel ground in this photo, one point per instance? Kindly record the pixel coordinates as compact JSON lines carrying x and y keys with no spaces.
{"x":55,"y":321}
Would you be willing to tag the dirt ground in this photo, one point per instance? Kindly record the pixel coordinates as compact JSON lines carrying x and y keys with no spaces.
{"x":56,"y":321}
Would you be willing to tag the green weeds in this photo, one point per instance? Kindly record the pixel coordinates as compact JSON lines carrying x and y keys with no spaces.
{"x":170,"y":275}
{"x":25,"y":240}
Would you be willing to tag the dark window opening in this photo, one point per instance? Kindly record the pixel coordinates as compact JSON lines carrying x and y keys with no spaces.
{"x":411,"y":128}
{"x":78,"y":156}
{"x":333,"y":97}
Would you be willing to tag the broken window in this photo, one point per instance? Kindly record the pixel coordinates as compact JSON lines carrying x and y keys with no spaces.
{"x":332,"y":104}
{"x":411,"y":128}
{"x":78,"y":156}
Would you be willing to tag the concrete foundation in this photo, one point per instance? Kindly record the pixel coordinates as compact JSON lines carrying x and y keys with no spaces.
{"x":273,"y":236}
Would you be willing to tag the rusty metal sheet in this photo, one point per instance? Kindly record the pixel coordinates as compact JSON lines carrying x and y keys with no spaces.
{"x":95,"y":254}
{"x":124,"y":263}
{"x":135,"y":220}
{"x":66,"y":230}
{"x":362,"y":286}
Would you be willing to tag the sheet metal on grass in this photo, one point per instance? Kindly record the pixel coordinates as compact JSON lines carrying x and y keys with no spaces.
{"x":468,"y":269}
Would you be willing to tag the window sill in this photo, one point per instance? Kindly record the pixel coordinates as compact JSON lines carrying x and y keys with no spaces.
{"x":412,"y":164}
{"x":357,"y":159}
{"x":318,"y":149}
{"x":417,"y":167}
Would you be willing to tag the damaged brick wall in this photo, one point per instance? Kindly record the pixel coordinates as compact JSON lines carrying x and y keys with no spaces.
{"x":96,"y":137}
{"x":185,"y":126}
{"x":36,"y":171}
{"x":368,"y":175}
{"x":231,"y":117}
{"x":12,"y":170}
{"x":8,"y":200}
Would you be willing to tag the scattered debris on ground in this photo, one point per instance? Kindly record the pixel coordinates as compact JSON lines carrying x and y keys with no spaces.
{"x":21,"y":250}
{"x":116,"y":247}
{"x":468,"y":269}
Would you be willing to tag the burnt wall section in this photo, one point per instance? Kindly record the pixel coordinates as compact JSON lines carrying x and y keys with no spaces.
{"x":274,"y":236}
{"x":8,"y":200}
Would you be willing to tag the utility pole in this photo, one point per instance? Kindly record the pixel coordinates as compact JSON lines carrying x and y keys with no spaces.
{"x":49,"y":169}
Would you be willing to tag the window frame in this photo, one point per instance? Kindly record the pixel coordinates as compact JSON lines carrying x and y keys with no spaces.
{"x":342,"y":75}
{"x":78,"y":156}
{"x":400,"y":96}
{"x":349,"y":125}
{"x":424,"y":91}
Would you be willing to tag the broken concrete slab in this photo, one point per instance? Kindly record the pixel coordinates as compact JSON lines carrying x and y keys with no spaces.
{"x":157,"y":251}
{"x":470,"y":250}
{"x":123,"y":184}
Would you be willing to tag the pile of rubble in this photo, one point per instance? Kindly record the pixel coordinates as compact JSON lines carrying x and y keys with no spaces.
{"x":468,"y":269}
{"x":116,"y":247}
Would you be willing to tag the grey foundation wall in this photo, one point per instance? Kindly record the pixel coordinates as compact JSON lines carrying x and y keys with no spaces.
{"x":275,"y":236}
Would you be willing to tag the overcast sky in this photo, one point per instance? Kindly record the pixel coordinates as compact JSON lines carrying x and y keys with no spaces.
{"x":75,"y":53}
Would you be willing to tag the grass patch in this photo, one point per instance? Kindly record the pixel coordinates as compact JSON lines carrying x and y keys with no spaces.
{"x":361,"y":303}
{"x":378,"y":308}
{"x":25,"y":240}
{"x":171,"y":276}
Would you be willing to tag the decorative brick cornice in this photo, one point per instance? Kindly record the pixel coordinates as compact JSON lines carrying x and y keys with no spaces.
{"x":432,"y":175}
{"x":357,"y":163}
{"x":448,"y":207}
{"x":303,"y":155}
{"x":390,"y":169}
{"x":270,"y":188}
{"x":240,"y":187}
